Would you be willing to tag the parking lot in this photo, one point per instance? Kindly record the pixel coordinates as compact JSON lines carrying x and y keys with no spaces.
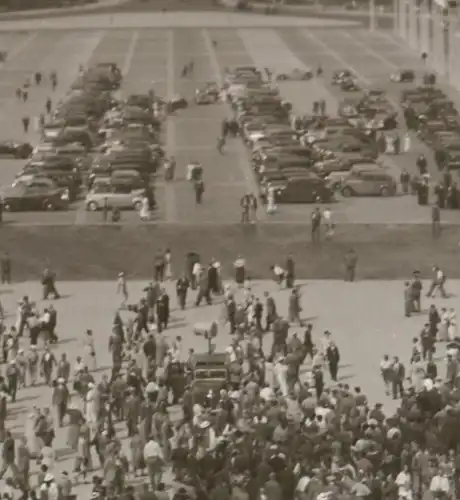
{"x":155,"y":57}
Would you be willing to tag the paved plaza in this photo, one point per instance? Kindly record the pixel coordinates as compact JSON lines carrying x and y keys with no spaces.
{"x":365,"y":318}
{"x":158,"y":55}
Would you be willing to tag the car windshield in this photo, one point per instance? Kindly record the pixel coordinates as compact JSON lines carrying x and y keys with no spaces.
{"x":210,"y":374}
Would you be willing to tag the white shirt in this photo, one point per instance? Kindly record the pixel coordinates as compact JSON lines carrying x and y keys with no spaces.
{"x":279,"y":271}
{"x":196,"y":269}
{"x":327,"y":216}
{"x":46,"y":317}
{"x":152,"y":450}
{"x":439,"y":275}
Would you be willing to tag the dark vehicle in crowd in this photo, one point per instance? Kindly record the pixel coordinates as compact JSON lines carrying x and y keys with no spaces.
{"x":210,"y":374}
{"x":340,"y":75}
{"x":34,"y":197}
{"x":307,"y":189}
{"x":16,"y":149}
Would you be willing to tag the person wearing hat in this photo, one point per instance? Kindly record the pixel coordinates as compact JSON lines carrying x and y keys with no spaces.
{"x":60,"y":399}
{"x":12,"y":377}
{"x":49,"y":489}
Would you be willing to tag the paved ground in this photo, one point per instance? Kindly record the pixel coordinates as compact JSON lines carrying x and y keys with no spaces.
{"x":365,"y":320}
{"x":147,"y":55}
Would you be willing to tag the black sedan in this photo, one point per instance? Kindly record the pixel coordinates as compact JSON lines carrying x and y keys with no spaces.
{"x":34,"y":198}
{"x":16,"y":149}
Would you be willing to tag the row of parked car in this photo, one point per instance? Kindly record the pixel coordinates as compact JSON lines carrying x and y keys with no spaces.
{"x":432,"y":113}
{"x":93,"y":147}
{"x":310,"y":158}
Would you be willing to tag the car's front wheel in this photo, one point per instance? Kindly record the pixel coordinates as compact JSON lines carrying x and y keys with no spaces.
{"x":92,"y":206}
{"x":138,"y":206}
{"x":347,"y":192}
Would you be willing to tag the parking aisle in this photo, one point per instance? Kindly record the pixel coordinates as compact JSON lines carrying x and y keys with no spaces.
{"x":227,"y":177}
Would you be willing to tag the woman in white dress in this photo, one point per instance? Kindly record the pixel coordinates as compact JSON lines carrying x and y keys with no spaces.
{"x":168,"y":265}
{"x":271,"y":204}
{"x":443,"y":326}
{"x":452,"y":327}
{"x":145,"y":209}
{"x":406,"y":143}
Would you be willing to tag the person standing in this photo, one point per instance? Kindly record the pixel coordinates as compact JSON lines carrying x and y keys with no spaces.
{"x":316,"y":225}
{"x":25,"y":124}
{"x":436,"y":220}
{"x":5,"y":269}
{"x":328,"y":223}
{"x":333,"y":360}
{"x":199,"y":190}
{"x":182,"y":286}
{"x":240,"y":271}
{"x":270,"y":311}
{"x":404,"y":178}
{"x":398,"y":373}
{"x":122,"y":289}
{"x":290,"y":272}
{"x":351,"y":261}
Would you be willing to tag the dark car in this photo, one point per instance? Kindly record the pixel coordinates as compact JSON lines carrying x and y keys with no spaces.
{"x":308,"y":189}
{"x":210,"y":375}
{"x":16,"y":149}
{"x":34,"y":197}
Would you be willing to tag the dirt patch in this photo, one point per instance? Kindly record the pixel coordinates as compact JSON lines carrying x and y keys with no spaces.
{"x":100,"y":252}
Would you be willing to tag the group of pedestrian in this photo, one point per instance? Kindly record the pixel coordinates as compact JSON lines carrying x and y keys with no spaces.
{"x":22,"y":94}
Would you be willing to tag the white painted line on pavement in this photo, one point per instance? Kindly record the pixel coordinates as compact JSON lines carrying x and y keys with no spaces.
{"x":362,"y":46}
{"x":243,"y":160}
{"x":170,"y":200}
{"x":334,"y":54}
{"x":130,"y":53}
{"x":18,"y":49}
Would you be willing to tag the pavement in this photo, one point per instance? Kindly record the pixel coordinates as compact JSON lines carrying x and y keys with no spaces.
{"x":63,"y":11}
{"x":365,"y":318}
{"x":158,"y":55}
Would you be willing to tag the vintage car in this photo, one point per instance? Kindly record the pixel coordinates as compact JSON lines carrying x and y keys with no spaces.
{"x":304,"y":188}
{"x":210,"y":375}
{"x":114,"y":196}
{"x":364,"y":180}
{"x":207,"y":95}
{"x":349,"y":85}
{"x":295,"y":74}
{"x":340,"y":75}
{"x":34,"y":196}
{"x":403,"y":76}
{"x":17,"y":149}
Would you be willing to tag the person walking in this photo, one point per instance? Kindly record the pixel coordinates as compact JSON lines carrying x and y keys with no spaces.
{"x":436,"y":220}
{"x":316,"y":225}
{"x":5,"y":269}
{"x":25,"y":124}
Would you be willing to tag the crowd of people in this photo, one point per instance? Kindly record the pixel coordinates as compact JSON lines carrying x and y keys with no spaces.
{"x":281,"y":424}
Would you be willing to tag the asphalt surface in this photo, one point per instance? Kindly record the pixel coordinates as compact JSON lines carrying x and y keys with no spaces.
{"x":362,"y":338}
{"x":155,"y":55}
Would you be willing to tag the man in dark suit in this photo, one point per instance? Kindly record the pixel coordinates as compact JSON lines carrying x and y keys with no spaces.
{"x":270,"y":310}
{"x":333,"y":359}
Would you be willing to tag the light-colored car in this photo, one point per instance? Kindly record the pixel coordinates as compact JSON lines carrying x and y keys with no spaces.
{"x":367,"y":180}
{"x":295,"y":74}
{"x":113,"y":196}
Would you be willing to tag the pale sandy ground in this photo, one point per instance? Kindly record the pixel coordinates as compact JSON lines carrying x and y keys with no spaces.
{"x":365,"y":318}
